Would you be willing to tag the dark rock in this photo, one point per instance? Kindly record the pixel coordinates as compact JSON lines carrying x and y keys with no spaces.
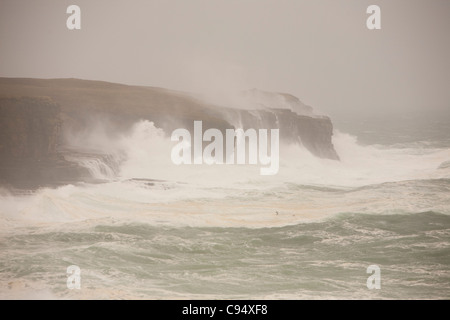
{"x":29,"y":134}
{"x":314,"y":133}
{"x":31,"y":127}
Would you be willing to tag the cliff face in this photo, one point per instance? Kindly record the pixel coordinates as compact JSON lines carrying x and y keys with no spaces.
{"x":29,"y":136}
{"x":122,"y":105}
{"x":29,"y":128}
{"x":314,"y":133}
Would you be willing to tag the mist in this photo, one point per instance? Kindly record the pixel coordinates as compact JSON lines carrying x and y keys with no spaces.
{"x":87,"y":179}
{"x":143,"y":151}
{"x":319,"y":51}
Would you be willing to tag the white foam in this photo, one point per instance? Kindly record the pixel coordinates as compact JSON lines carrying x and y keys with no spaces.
{"x":228,"y":195}
{"x":148,"y":156}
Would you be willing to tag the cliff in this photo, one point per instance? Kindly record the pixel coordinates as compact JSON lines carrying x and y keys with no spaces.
{"x":82,"y":101}
{"x":314,"y":133}
{"x":29,"y":134}
{"x":31,"y":128}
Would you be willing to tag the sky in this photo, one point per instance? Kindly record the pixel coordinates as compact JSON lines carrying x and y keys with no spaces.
{"x":320,"y":51}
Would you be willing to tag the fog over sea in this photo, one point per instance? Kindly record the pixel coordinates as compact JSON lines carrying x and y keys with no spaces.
{"x":154,"y":230}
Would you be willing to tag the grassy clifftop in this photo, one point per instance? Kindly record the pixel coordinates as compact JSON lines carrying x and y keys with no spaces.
{"x":80,"y":100}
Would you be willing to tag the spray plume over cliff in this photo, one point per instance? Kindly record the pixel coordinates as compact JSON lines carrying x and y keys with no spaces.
{"x":42,"y":119}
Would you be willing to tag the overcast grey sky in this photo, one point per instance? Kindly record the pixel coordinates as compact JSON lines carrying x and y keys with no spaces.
{"x":320,"y":51}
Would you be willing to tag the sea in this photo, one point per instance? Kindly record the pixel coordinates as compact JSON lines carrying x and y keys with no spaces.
{"x":149,"y":229}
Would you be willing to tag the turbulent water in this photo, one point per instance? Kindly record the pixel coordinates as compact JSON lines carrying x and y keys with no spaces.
{"x":154,"y":230}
